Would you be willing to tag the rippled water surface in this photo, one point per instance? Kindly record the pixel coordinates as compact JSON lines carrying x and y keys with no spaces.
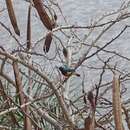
{"x":80,"y":12}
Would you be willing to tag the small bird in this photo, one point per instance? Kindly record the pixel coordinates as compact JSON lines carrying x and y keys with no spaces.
{"x":66,"y":71}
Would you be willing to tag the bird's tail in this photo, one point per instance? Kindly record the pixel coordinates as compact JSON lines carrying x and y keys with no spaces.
{"x":76,"y":74}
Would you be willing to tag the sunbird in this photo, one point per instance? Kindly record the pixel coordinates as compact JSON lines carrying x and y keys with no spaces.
{"x":66,"y":71}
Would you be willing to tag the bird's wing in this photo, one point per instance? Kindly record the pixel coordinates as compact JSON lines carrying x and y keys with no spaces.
{"x":66,"y":68}
{"x":69,"y":70}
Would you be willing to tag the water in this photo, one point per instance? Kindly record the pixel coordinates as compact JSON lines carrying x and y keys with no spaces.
{"x":84,"y":10}
{"x":81,"y":12}
{"x":76,"y":12}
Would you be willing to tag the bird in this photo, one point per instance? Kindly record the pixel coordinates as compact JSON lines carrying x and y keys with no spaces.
{"x":66,"y":71}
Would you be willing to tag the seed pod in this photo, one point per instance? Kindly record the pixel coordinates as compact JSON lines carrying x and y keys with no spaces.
{"x":47,"y":43}
{"x":117,"y":109}
{"x":29,"y":29}
{"x":65,"y":52}
{"x":84,"y":98}
{"x":87,"y":123}
{"x":12,"y":16}
{"x":91,"y":99}
{"x":48,"y":23}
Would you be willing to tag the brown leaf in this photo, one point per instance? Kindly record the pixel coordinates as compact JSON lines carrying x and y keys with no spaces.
{"x":48,"y":23}
{"x":12,"y":16}
{"x":117,"y":110}
{"x":29,"y":29}
{"x":47,"y":43}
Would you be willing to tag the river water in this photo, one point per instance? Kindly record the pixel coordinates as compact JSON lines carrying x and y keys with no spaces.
{"x":80,"y":12}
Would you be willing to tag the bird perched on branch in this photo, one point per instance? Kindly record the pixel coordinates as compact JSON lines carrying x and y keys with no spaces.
{"x":66,"y":71}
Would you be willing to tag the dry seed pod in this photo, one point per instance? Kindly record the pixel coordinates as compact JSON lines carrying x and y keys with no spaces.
{"x":65,"y":52}
{"x":47,"y":43}
{"x":43,"y":14}
{"x":84,"y":98}
{"x":91,"y":99}
{"x":12,"y":16}
{"x":29,"y":29}
{"x":117,"y":109}
{"x":87,"y":123}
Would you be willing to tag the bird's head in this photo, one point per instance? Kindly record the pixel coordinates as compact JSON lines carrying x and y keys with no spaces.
{"x":61,"y":69}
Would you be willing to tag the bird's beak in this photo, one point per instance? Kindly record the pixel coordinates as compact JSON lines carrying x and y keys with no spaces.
{"x":57,"y":67}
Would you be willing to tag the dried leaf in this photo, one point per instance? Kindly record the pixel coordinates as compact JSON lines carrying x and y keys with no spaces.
{"x":29,"y":29}
{"x":47,"y":43}
{"x":12,"y":16}
{"x":48,"y":23}
{"x":117,"y":110}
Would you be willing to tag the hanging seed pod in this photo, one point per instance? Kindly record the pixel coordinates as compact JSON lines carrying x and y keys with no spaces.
{"x":84,"y":98}
{"x":65,"y":52}
{"x":117,"y":109}
{"x":91,"y":99}
{"x":87,"y":123}
{"x":12,"y":16}
{"x":48,"y":23}
{"x":47,"y":43}
{"x":29,"y":29}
